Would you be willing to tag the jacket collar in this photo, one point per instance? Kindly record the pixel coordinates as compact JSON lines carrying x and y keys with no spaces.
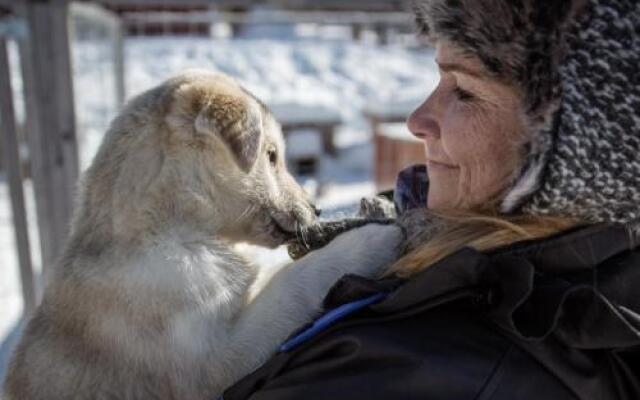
{"x":579,"y":249}
{"x":579,"y":285}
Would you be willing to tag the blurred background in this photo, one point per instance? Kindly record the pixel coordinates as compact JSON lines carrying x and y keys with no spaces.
{"x":341,"y":77}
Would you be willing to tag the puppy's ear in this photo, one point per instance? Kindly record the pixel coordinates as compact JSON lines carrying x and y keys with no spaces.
{"x":237,"y":122}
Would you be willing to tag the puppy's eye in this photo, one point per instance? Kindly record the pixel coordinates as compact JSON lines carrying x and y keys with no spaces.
{"x":273,"y":157}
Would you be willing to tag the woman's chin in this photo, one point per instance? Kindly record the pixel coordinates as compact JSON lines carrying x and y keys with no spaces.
{"x":440,"y":197}
{"x":435,"y":203}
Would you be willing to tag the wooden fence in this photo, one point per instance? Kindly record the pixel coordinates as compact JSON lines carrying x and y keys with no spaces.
{"x":12,"y":167}
{"x":48,"y":94}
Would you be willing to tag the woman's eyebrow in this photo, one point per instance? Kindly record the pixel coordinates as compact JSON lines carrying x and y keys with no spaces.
{"x":459,"y":68}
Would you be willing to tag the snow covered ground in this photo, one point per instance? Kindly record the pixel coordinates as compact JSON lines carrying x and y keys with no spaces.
{"x":339,"y":75}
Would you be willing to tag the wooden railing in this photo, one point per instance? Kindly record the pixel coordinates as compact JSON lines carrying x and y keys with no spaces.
{"x":11,"y":164}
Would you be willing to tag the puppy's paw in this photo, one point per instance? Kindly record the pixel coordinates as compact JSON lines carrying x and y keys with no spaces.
{"x":377,"y":207}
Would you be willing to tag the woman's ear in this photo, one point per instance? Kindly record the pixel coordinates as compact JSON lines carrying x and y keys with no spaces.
{"x":237,"y":122}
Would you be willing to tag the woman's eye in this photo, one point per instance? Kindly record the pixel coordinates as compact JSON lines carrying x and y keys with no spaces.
{"x":273,"y":157}
{"x":463,"y":95}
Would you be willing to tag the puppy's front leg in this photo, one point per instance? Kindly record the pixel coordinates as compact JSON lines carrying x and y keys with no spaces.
{"x":294,"y":295}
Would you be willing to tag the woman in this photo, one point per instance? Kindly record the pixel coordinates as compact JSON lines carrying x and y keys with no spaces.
{"x":523,"y":281}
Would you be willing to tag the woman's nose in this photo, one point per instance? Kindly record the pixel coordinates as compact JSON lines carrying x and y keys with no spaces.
{"x":422,"y":124}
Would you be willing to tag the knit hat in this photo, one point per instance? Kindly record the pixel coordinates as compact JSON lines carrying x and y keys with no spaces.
{"x":578,"y":64}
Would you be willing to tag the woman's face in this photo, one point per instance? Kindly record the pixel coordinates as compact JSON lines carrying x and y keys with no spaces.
{"x":472,"y":130}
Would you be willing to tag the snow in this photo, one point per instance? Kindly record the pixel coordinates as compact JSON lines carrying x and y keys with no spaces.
{"x":336,"y":78}
{"x":397,"y":131}
{"x":303,"y":143}
{"x":386,"y":110}
{"x":292,"y":113}
{"x":9,"y":273}
{"x":10,"y":290}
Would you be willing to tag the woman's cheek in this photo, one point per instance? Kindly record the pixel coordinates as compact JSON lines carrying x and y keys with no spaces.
{"x":459,"y":137}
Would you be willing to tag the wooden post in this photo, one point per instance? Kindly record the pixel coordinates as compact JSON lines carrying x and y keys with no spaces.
{"x":51,"y":130}
{"x":111,"y":20}
{"x":382,"y":32}
{"x":118,"y":62}
{"x":356,"y":32}
{"x":2,"y":146}
{"x":328,"y":134}
{"x":12,"y":166}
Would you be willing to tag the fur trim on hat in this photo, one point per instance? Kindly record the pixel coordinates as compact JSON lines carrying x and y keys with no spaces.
{"x":576,"y":63}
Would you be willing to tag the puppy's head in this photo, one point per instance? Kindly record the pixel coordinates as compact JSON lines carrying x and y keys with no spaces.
{"x":232,"y":150}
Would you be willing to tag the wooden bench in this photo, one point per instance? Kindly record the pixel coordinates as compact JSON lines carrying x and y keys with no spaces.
{"x":304,"y":152}
{"x":305,"y":117}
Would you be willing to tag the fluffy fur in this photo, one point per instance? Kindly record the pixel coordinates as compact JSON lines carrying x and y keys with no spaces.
{"x":149,"y":299}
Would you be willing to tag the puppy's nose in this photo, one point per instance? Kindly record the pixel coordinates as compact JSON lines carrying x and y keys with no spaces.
{"x":316,"y":210}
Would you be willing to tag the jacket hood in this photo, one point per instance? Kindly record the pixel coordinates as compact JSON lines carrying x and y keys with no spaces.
{"x":576,"y":62}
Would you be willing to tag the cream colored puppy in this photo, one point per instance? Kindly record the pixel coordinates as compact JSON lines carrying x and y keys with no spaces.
{"x":149,"y":301}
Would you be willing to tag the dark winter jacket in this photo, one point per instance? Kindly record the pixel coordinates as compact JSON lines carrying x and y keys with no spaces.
{"x":551,"y":319}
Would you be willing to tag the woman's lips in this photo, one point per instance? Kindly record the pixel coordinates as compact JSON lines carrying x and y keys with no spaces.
{"x":438,"y":165}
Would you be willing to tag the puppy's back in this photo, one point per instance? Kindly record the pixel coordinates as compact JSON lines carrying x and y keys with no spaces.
{"x":51,"y":364}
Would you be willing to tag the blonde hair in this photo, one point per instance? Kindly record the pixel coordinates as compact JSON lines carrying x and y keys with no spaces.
{"x":481,"y":231}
